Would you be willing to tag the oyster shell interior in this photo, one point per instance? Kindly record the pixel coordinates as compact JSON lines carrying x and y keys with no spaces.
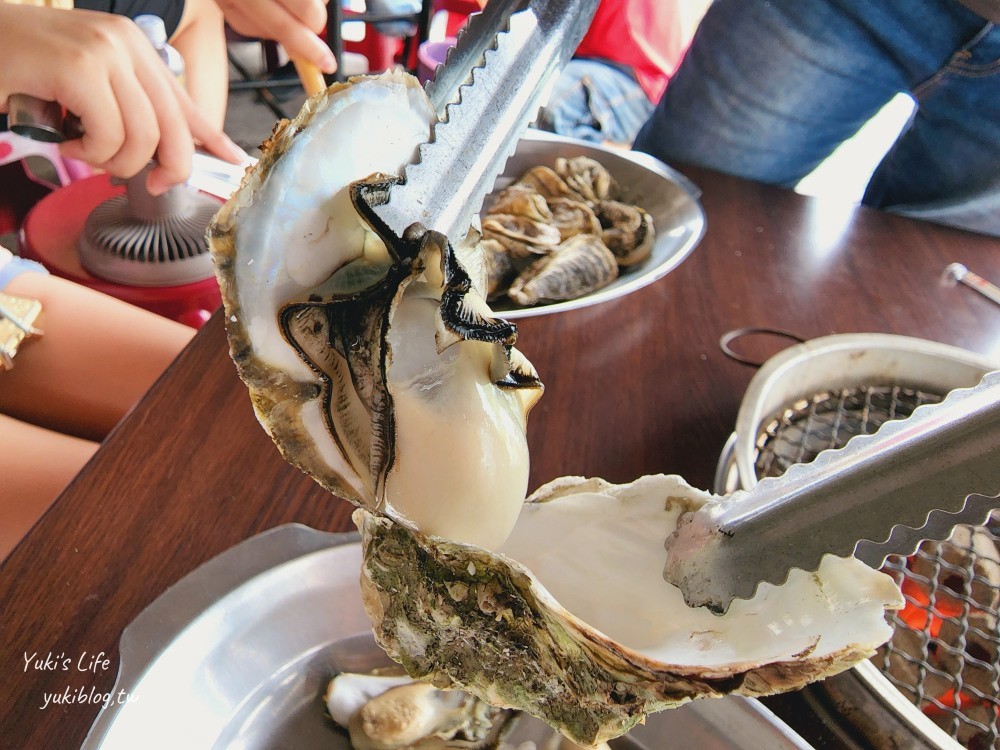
{"x":377,"y":367}
{"x":571,"y":620}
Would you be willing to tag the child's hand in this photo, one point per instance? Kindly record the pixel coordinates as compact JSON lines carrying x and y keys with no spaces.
{"x":102,"y":68}
{"x":295,"y":24}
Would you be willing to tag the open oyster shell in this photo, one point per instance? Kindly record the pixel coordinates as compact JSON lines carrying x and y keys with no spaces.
{"x":570,"y":620}
{"x":372,"y":361}
{"x":376,"y":366}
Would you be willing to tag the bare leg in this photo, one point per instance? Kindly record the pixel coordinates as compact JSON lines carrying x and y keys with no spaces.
{"x":36,"y":464}
{"x":97,"y":357}
{"x":201,"y":40}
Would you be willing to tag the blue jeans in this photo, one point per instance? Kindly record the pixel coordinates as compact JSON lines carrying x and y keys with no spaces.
{"x":768,"y":90}
{"x":595,"y":101}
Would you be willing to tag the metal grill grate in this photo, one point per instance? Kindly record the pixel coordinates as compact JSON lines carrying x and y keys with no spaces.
{"x":945,"y":653}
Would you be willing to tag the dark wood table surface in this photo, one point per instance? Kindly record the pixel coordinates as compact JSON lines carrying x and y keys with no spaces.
{"x":634,"y":386}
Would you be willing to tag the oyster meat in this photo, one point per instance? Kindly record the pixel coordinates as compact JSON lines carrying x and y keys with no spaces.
{"x":498,"y":265}
{"x":520,"y":199}
{"x":570,"y":215}
{"x":548,"y":183}
{"x":376,"y":366}
{"x":579,"y":265}
{"x":587,"y":178}
{"x":523,"y":237}
{"x":394,"y":712}
{"x":627,"y":231}
{"x":377,"y":369}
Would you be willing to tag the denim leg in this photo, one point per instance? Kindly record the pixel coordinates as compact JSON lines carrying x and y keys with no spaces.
{"x":768,"y":90}
{"x":946,"y":165}
{"x":976,"y":212}
{"x":595,"y":102}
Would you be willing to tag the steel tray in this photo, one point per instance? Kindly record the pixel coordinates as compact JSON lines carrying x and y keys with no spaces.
{"x":237,"y":655}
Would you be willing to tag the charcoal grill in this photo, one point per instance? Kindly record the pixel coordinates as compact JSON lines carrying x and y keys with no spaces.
{"x":936,"y":683}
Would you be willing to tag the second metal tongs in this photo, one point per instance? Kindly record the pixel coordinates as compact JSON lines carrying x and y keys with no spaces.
{"x":485,"y":95}
{"x":881,"y":494}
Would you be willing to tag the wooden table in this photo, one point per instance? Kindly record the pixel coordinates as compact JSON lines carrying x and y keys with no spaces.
{"x":634,"y":386}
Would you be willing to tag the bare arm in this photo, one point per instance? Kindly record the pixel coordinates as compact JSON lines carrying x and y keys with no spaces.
{"x":201,"y":40}
{"x":97,"y":357}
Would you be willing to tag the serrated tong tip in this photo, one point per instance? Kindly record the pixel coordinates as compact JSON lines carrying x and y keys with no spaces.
{"x":485,"y":95}
{"x":881,"y":494}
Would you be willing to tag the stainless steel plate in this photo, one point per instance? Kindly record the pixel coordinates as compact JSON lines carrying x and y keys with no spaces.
{"x":669,"y":197}
{"x":237,"y":655}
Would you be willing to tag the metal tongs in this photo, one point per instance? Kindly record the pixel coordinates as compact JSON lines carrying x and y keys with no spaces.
{"x":485,"y":95}
{"x":881,"y":494}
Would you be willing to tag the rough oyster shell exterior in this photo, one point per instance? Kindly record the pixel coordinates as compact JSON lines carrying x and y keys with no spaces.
{"x":483,"y":622}
{"x":451,"y":612}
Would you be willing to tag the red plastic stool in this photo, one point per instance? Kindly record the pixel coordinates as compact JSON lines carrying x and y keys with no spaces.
{"x":49,"y":235}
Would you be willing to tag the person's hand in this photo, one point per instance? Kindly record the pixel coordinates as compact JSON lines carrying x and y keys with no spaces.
{"x":102,"y":68}
{"x":294,"y":24}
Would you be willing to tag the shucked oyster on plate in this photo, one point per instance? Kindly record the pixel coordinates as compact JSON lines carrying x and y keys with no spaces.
{"x":376,"y":367}
{"x":389,"y":711}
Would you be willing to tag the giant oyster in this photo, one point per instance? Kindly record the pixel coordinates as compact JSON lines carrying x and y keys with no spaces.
{"x":376,"y":367}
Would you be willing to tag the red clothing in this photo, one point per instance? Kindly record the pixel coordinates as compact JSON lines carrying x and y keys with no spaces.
{"x":645,"y":35}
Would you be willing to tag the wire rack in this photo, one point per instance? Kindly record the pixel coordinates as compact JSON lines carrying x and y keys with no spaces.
{"x":944,"y":656}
